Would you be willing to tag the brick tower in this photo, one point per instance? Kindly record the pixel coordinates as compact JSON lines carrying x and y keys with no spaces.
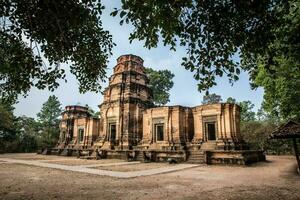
{"x":126,"y":97}
{"x":68,"y":134}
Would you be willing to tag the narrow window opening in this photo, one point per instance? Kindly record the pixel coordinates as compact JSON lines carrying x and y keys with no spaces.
{"x":80,"y":135}
{"x":159,"y":132}
{"x":112,"y":132}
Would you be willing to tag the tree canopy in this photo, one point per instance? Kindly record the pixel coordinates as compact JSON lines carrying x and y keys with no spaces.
{"x":281,"y":82}
{"x":160,"y":82}
{"x":51,"y":111}
{"x":246,"y":111}
{"x":213,"y":32}
{"x":7,"y":126}
{"x":281,"y":90}
{"x":231,"y":100}
{"x":26,"y":134}
{"x":211,"y":99}
{"x":58,"y":31}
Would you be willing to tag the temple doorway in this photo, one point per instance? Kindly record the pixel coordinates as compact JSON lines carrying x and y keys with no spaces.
{"x":159,"y":132}
{"x":112,"y":132}
{"x":210,"y":128}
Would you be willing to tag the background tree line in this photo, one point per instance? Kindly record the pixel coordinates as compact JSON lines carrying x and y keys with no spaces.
{"x":26,"y":134}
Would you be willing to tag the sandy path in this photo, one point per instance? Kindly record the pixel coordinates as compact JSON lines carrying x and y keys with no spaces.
{"x":116,"y":174}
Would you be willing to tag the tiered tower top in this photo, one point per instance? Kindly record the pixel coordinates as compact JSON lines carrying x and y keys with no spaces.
{"x":129,"y":63}
{"x":129,"y":82}
{"x":130,"y":57}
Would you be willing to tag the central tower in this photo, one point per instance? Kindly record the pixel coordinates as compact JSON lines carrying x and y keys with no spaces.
{"x":126,"y":97}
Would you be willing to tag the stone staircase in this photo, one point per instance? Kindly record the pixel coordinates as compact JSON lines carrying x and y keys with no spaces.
{"x":196,"y":157}
{"x":140,"y":156}
{"x":65,"y":152}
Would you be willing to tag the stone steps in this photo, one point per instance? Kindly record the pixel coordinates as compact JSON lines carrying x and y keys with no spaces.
{"x":65,"y":152}
{"x":196,"y":157}
{"x":140,"y":156}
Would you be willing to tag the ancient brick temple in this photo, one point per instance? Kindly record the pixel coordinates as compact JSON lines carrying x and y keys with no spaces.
{"x":130,"y":126}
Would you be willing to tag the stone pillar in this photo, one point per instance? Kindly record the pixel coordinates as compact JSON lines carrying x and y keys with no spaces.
{"x":220,"y":139}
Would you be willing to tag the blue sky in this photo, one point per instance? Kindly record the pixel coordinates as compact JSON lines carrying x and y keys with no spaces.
{"x":184,"y":91}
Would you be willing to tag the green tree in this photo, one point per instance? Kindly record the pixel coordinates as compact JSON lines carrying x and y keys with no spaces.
{"x":92,"y":112}
{"x":160,"y":82}
{"x":246,"y":111}
{"x":55,"y":32}
{"x":8,"y":134}
{"x":211,"y":99}
{"x":97,"y":114}
{"x":49,"y":120}
{"x":256,"y":133}
{"x":281,"y":89}
{"x":231,"y":100}
{"x":278,"y":69}
{"x":29,"y":134}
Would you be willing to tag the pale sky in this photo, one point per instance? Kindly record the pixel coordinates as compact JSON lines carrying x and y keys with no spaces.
{"x":184,"y":91}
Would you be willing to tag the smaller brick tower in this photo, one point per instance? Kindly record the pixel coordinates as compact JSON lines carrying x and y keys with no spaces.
{"x":67,"y":137}
{"x":126,"y":97}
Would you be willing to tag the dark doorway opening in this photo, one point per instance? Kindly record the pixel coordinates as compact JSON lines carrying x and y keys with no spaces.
{"x":80,"y":135}
{"x":159,"y":130}
{"x":211,"y":130}
{"x":112,"y":132}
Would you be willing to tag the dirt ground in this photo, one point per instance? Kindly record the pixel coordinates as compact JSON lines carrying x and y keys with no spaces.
{"x":133,"y":167}
{"x":274,"y":179}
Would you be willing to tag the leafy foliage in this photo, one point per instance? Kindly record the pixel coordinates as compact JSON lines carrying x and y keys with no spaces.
{"x":212,"y":32}
{"x":231,"y":100}
{"x":281,"y":89}
{"x":160,"y":84}
{"x":50,"y":112}
{"x":211,"y":99}
{"x":7,"y":126}
{"x":59,"y":31}
{"x":256,"y":134}
{"x":29,"y":134}
{"x":25,"y":134}
{"x":92,"y":112}
{"x":256,"y":131}
{"x":246,"y":112}
{"x":278,"y":68}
